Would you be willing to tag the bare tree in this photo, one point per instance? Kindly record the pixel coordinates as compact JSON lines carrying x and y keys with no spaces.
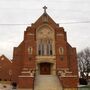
{"x":84,"y":62}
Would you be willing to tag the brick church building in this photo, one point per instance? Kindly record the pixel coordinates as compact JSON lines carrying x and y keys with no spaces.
{"x":45,"y":52}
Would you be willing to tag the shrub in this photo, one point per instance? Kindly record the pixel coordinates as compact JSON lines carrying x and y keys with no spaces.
{"x":82,"y":81}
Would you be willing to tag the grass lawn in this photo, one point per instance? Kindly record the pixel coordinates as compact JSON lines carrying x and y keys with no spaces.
{"x":87,"y":86}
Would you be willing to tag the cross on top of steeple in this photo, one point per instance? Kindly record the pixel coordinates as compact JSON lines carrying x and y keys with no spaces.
{"x":44,"y":9}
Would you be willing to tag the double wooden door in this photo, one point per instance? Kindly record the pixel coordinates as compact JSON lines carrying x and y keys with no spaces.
{"x":45,"y":69}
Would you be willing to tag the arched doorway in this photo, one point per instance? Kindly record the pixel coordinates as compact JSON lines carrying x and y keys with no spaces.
{"x":45,"y":68}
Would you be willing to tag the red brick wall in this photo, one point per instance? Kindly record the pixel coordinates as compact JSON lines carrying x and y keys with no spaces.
{"x":26,"y":82}
{"x":18,"y":58}
{"x":5,"y":68}
{"x":69,"y":82}
{"x":30,"y":41}
{"x":61,"y":42}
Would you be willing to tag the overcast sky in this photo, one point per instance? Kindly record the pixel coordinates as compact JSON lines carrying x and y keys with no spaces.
{"x":16,"y":15}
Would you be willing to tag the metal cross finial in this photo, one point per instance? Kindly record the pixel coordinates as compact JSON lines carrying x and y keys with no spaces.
{"x":44,"y":9}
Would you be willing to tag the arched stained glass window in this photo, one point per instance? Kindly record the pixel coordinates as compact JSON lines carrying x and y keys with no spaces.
{"x":45,"y":47}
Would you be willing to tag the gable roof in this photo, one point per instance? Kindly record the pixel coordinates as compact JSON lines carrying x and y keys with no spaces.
{"x":3,"y":57}
{"x":45,"y":19}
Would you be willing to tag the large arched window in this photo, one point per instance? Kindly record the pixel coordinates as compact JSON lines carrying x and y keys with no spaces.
{"x":45,"y":47}
{"x":45,"y":37}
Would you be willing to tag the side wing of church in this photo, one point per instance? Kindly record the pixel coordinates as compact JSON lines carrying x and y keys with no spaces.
{"x":5,"y":68}
{"x":45,"y":51}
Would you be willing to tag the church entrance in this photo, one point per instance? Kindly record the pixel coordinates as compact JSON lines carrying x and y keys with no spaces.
{"x":45,"y":68}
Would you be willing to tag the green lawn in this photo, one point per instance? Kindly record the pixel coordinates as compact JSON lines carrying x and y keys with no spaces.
{"x":87,"y":87}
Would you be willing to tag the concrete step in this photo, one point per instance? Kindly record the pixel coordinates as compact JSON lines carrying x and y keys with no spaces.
{"x":47,"y":82}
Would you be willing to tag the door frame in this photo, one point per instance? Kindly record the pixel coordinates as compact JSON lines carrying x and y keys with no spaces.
{"x":52,"y":67}
{"x":46,"y":68}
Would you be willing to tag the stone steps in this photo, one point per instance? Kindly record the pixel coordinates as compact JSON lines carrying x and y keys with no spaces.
{"x":47,"y":82}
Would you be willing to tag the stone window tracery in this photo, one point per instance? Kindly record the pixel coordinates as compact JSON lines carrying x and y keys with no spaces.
{"x":45,"y":41}
{"x":45,"y":47}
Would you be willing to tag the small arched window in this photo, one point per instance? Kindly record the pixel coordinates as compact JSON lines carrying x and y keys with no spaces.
{"x":61,"y":50}
{"x":29,"y":50}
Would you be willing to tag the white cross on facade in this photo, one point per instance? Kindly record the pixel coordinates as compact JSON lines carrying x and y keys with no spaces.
{"x":44,"y":9}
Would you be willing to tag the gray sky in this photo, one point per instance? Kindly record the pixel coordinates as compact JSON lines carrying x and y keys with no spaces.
{"x":16,"y":15}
